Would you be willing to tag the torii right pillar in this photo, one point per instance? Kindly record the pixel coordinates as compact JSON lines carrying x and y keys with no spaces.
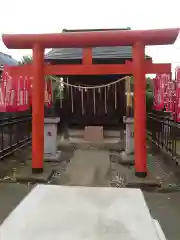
{"x":139,"y":109}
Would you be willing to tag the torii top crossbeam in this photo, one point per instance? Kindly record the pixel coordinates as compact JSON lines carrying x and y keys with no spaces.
{"x":92,"y":39}
{"x":138,"y":39}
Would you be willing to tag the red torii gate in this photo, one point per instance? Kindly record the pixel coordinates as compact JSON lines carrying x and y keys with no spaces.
{"x":86,"y":40}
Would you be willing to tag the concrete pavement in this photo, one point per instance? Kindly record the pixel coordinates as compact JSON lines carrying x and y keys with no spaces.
{"x":89,"y":167}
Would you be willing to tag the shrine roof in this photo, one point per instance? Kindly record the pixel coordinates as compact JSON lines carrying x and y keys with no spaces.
{"x":6,"y":59}
{"x":118,"y":52}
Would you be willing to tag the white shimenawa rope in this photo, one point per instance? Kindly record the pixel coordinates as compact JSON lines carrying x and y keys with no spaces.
{"x":89,"y":87}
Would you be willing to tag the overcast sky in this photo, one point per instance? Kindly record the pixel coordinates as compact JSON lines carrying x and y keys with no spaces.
{"x":45,"y":16}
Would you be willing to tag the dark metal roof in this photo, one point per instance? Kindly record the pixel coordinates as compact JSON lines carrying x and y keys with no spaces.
{"x":124,"y":52}
{"x":97,"y":53}
{"x":95,"y":30}
{"x":6,"y":59}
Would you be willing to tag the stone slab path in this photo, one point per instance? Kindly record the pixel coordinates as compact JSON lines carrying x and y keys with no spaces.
{"x":88,"y":168}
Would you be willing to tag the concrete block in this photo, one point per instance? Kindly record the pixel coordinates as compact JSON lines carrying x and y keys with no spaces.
{"x":50,"y":137}
{"x":25,"y":174}
{"x":59,"y":212}
{"x":148,"y":182}
{"x":126,"y":159}
{"x":53,"y":158}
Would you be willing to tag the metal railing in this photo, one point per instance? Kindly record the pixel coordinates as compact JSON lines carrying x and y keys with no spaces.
{"x":15,"y":133}
{"x":165,"y":134}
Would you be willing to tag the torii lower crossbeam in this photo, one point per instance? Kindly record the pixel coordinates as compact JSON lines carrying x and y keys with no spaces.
{"x":92,"y":69}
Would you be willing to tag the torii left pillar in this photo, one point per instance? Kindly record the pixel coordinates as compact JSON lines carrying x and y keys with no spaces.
{"x":38,"y":109}
{"x":139,"y":109}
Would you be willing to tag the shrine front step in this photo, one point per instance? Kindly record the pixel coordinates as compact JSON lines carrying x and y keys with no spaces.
{"x":77,"y":133}
{"x":94,"y":134}
{"x":93,"y":137}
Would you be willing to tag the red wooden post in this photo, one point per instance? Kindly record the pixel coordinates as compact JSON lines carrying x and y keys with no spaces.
{"x":38,"y":109}
{"x":139,"y":109}
{"x":87,"y":56}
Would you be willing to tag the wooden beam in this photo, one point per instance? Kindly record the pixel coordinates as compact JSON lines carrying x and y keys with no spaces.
{"x":92,"y":69}
{"x":92,"y":39}
{"x":157,"y":68}
{"x":153,"y":68}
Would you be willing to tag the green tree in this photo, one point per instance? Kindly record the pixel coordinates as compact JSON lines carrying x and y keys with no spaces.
{"x":27,"y":59}
{"x":149,"y":93}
